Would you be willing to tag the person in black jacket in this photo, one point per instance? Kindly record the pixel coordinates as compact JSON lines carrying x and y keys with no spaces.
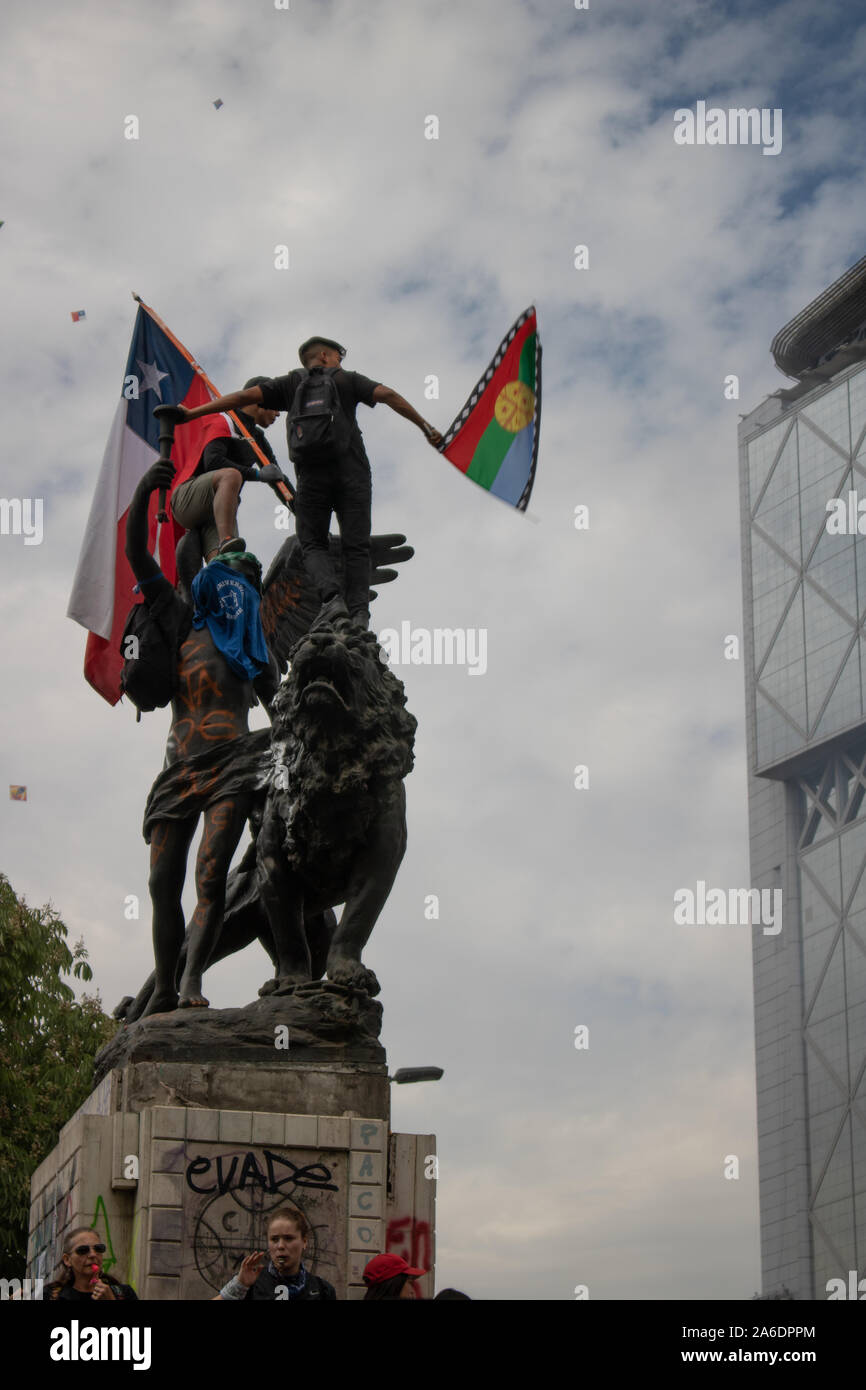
{"x":81,"y":1276}
{"x":340,"y":484}
{"x":285,"y":1278}
{"x":209,"y":500}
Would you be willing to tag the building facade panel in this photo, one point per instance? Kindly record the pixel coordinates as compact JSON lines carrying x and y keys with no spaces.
{"x":802,"y":477}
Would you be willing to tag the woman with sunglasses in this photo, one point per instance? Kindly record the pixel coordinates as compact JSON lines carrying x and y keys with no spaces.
{"x":81,"y":1274}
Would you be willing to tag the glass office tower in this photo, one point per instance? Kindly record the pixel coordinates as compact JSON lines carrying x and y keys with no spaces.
{"x":804,"y":583}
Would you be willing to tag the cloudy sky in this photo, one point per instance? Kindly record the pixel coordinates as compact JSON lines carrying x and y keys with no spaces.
{"x":558,"y":1166}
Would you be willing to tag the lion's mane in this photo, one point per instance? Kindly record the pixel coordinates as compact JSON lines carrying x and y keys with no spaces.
{"x":335,"y":769}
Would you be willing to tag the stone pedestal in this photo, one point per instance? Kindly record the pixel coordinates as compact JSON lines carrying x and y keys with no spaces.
{"x":179,"y":1163}
{"x":319,"y":1022}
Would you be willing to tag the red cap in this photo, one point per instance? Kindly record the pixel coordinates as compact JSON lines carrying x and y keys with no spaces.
{"x":383,"y":1267}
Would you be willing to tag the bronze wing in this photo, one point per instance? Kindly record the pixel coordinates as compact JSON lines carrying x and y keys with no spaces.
{"x":290,"y":600}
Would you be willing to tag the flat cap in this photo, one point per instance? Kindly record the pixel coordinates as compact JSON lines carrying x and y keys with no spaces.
{"x":328,"y":342}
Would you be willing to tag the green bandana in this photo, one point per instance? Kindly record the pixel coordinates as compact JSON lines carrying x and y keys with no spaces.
{"x":245,"y":560}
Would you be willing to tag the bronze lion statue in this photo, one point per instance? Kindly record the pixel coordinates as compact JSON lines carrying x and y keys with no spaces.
{"x":334,"y":823}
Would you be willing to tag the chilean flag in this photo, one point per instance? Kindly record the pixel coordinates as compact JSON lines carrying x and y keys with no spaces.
{"x":158,"y":372}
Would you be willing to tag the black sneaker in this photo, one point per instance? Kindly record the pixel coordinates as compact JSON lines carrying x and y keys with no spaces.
{"x":234,"y":543}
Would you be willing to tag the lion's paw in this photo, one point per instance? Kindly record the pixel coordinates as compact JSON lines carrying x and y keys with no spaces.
{"x":285,"y":984}
{"x":342,"y":970}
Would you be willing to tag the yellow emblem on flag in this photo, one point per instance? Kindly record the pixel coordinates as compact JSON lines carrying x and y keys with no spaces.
{"x":515,"y":405}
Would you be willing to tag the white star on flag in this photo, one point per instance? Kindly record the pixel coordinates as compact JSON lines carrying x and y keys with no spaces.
{"x":151,"y":377}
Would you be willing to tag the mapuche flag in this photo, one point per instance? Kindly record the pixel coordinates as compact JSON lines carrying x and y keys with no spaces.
{"x":159,"y":371}
{"x":494,"y":439}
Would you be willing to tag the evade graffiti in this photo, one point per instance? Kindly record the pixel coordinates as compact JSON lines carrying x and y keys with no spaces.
{"x":226,"y":1174}
{"x":229,"y":1196}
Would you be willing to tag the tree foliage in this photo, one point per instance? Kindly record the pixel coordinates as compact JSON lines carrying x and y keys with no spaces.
{"x":48,"y":1040}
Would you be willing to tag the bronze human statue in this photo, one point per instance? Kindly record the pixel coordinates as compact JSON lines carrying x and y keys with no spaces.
{"x":213,"y":765}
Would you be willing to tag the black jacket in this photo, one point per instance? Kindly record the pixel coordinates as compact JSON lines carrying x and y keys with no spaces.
{"x":122,"y":1292}
{"x":234,"y":451}
{"x":266,"y":1287}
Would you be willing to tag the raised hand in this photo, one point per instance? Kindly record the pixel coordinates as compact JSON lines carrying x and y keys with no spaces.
{"x":251,"y":1268}
{"x":158,"y":475}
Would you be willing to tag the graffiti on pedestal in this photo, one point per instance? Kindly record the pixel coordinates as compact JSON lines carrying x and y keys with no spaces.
{"x":409,"y":1237}
{"x":101,"y":1213}
{"x":54,"y":1205}
{"x":222,"y":1173}
{"x":229,"y":1196}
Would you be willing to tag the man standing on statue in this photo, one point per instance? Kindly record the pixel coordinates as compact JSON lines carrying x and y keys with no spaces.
{"x":209,"y":500}
{"x":333,"y":471}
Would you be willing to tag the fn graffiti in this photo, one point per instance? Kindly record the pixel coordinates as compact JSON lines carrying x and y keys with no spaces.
{"x":410,"y":1238}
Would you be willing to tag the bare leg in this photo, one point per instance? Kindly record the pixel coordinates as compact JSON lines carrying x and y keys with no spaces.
{"x":169,"y":847}
{"x":226,"y":490}
{"x":223,"y":826}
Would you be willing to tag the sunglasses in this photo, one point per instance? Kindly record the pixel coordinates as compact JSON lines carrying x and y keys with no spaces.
{"x":86,"y":1249}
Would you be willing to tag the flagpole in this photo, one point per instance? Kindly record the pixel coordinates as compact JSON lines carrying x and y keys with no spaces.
{"x":285,"y":492}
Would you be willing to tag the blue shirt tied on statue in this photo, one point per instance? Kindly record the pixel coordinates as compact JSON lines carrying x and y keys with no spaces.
{"x":230,"y":605}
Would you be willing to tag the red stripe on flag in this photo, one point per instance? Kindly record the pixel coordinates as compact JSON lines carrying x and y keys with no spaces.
{"x":189,"y":441}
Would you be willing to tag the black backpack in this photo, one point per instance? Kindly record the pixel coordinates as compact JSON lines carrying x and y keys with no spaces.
{"x":318,"y":429}
{"x":149,"y":647}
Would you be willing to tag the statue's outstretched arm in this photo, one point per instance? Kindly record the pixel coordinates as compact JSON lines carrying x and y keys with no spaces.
{"x":144,"y":567}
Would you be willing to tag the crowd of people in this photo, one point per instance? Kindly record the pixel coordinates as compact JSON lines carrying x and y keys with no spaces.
{"x":277,"y":1274}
